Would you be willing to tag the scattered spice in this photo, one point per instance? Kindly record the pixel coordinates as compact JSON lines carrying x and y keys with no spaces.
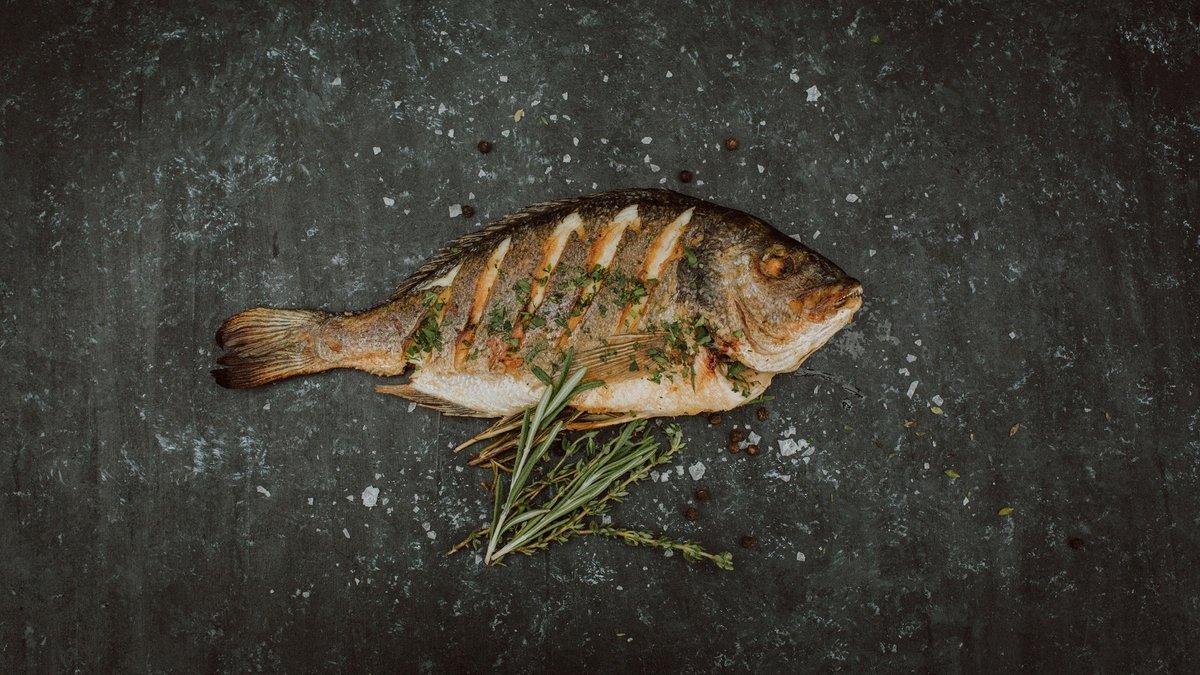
{"x":875,"y":39}
{"x":484,"y":147}
{"x":714,"y":418}
{"x":731,"y":143}
{"x":908,"y":424}
{"x":762,"y":414}
{"x":1076,"y":543}
{"x":685,"y":176}
{"x":701,"y":495}
{"x":952,"y":474}
{"x":1005,"y":511}
{"x":737,"y":436}
{"x":468,"y":211}
{"x":935,"y":410}
{"x":1014,"y":429}
{"x":691,"y":513}
{"x":748,"y":541}
{"x":752,"y":449}
{"x":734,"y":448}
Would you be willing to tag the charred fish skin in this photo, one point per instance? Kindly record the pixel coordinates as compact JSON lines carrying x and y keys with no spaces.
{"x":675,"y":302}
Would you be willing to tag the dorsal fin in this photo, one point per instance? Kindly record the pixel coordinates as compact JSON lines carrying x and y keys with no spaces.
{"x":489,"y":236}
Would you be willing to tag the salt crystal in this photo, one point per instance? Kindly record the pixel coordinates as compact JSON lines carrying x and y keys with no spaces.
{"x":455,"y":210}
{"x":912,"y":389}
{"x":337,"y":81}
{"x":388,"y":201}
{"x":800,"y":557}
{"x":646,"y":140}
{"x":370,"y":496}
{"x":788,"y":447}
{"x":697,"y":470}
{"x":345,"y":533}
{"x":794,"y":77}
{"x":376,"y":150}
{"x":753,"y":438}
{"x":851,"y":197}
{"x":813,"y":93}
{"x":937,"y":400}
{"x":264,"y":491}
{"x":566,"y":159}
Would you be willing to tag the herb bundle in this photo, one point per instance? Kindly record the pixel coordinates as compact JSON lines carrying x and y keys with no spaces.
{"x":532,"y":509}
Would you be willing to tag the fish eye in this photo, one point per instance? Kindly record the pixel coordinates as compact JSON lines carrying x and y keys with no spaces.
{"x":775,"y":264}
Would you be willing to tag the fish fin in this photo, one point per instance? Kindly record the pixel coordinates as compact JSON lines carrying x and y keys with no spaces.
{"x":430,"y":401}
{"x":487,"y":238}
{"x":613,"y":362}
{"x":264,"y":345}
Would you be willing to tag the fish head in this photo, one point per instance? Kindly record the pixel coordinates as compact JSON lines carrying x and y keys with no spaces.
{"x":785,"y":299}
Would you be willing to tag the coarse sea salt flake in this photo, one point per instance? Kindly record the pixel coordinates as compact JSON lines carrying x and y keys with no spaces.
{"x":370,"y":496}
{"x":697,"y":470}
{"x":455,"y":210}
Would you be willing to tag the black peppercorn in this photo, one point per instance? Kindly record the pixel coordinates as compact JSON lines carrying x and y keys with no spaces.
{"x":468,"y":211}
{"x":748,"y":541}
{"x":685,"y":176}
{"x":731,"y":143}
{"x":484,"y":147}
{"x":691,"y":513}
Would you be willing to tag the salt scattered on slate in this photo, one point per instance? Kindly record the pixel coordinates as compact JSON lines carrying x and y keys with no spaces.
{"x":851,"y":197}
{"x":376,"y":149}
{"x":910,"y":358}
{"x":337,"y":81}
{"x":788,"y":447}
{"x":800,"y":557}
{"x":697,"y":470}
{"x":504,"y":78}
{"x":813,"y":93}
{"x":753,"y":438}
{"x":370,"y":496}
{"x":794,"y":77}
{"x":345,"y":533}
{"x":264,"y":491}
{"x":388,"y":201}
{"x":646,"y":140}
{"x":455,"y":210}
{"x":566,"y":159}
{"x":912,"y":389}
{"x":937,"y":400}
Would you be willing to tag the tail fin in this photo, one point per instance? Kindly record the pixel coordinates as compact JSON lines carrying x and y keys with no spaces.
{"x":265,"y":345}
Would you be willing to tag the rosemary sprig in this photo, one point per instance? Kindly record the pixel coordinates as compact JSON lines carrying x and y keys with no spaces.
{"x":528,"y":514}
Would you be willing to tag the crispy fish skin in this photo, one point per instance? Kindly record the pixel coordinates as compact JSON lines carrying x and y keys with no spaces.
{"x":679,"y":305}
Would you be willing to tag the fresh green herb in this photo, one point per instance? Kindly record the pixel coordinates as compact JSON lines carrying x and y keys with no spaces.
{"x":952,"y":474}
{"x":530,"y":513}
{"x":690,"y":256}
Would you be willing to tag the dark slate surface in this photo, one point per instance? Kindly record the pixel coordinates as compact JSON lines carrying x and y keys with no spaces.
{"x":1025,"y":226}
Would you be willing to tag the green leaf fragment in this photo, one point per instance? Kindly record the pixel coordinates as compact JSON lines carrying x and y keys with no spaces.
{"x":952,"y":474}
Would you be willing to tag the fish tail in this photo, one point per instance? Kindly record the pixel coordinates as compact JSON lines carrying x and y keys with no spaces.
{"x":265,"y":345}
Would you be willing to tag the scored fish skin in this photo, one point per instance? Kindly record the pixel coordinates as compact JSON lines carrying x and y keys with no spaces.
{"x":677,"y":304}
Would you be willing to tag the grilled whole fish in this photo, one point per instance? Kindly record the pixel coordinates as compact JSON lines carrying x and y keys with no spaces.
{"x":679,"y":305}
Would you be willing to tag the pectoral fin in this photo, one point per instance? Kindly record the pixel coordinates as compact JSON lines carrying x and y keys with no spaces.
{"x":623,"y":357}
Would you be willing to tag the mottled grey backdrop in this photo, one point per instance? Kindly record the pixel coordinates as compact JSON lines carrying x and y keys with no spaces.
{"x":1018,"y":190}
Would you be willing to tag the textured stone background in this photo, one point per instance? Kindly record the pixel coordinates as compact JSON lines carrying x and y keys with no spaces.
{"x":1025,"y":226}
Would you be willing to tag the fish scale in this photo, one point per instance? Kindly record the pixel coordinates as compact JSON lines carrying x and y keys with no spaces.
{"x":698,"y":308}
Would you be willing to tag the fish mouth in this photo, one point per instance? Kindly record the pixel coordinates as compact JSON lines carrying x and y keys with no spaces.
{"x":827,"y":302}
